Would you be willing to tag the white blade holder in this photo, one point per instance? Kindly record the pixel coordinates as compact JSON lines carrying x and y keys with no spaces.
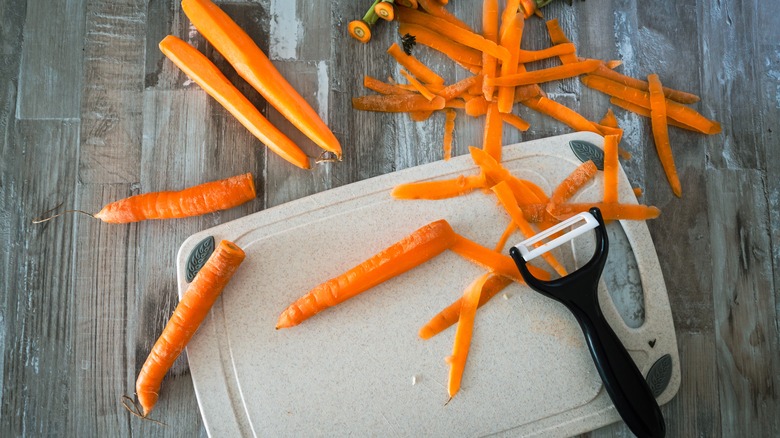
{"x":584,"y":222}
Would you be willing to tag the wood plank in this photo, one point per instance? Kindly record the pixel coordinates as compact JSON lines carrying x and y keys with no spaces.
{"x":111,"y":103}
{"x":37,"y":308}
{"x":51,"y":68}
{"x":743,"y":287}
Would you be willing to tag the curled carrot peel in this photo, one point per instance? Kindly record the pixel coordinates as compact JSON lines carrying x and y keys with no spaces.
{"x":491,"y":140}
{"x":254,"y":66}
{"x":610,"y":169}
{"x":611,"y":211}
{"x":195,"y":304}
{"x":418,"y":86}
{"x":194,"y":201}
{"x":574,"y":182}
{"x":444,"y":189}
{"x":449,"y":127}
{"x":661,"y":133}
{"x":457,"y":52}
{"x":409,"y":252}
{"x":203,"y":72}
{"x":546,"y":75}
{"x":449,"y":315}
{"x":490,"y":32}
{"x":397,"y":103}
{"x":672,"y":94}
{"x":462,"y":342}
{"x":417,"y":68}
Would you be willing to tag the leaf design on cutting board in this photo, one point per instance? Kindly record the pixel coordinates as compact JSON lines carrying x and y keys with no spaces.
{"x":198,"y":257}
{"x":659,"y":375}
{"x":588,"y":151}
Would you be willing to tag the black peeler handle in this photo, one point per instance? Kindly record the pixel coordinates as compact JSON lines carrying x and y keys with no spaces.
{"x":578,"y":291}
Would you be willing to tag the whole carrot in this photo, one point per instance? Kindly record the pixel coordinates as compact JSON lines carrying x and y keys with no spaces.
{"x":413,"y":250}
{"x":195,"y":304}
{"x":254,"y":66}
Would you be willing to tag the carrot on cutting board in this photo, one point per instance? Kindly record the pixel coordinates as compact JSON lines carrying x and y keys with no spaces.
{"x":610,"y":169}
{"x":254,"y":66}
{"x":195,"y":304}
{"x":661,"y":133}
{"x":462,"y":342}
{"x":203,"y":72}
{"x":409,"y":252}
{"x":442,"y":189}
{"x":449,"y":126}
{"x":574,"y":182}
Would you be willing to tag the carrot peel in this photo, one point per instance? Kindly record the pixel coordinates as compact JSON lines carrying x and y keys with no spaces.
{"x":460,"y":347}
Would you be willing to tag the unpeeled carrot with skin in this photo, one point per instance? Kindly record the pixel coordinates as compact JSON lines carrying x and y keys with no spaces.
{"x":409,"y":252}
{"x":193,"y":201}
{"x":490,"y":33}
{"x":397,"y":103}
{"x":574,"y":182}
{"x":417,"y":68}
{"x":457,"y":52}
{"x":453,"y":32}
{"x":418,"y":86}
{"x":195,"y":304}
{"x":463,"y":334}
{"x":546,"y":75}
{"x":443,"y":189}
{"x":661,"y":133}
{"x":449,"y":126}
{"x":510,"y":39}
{"x":610,"y":169}
{"x":203,"y":72}
{"x":254,"y":66}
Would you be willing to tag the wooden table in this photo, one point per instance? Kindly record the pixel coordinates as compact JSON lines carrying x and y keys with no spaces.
{"x":91,"y":112}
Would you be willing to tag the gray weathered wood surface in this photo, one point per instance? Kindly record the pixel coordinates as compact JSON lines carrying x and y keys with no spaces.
{"x":91,"y":112}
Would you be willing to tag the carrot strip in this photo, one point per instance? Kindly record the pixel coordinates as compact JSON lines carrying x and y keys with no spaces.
{"x":458,"y":88}
{"x":201,"y":70}
{"x":612,"y":211}
{"x":409,"y":252}
{"x":613,"y":64}
{"x":515,"y":121}
{"x":609,"y":119}
{"x":645,"y":112}
{"x":453,"y":32}
{"x":661,"y":133}
{"x":193,"y":201}
{"x":561,"y":113}
{"x":507,"y":16}
{"x":491,"y":139}
{"x":442,"y":189}
{"x":511,"y":41}
{"x":490,"y":32}
{"x":510,"y":228}
{"x":508,"y":201}
{"x":525,"y":191}
{"x":251,"y":64}
{"x":525,"y":56}
{"x":463,"y":333}
{"x":574,"y":182}
{"x":546,"y":75}
{"x":449,"y":126}
{"x":672,"y":94}
{"x":449,"y":316}
{"x":608,"y":130}
{"x":457,"y":52}
{"x":417,"y":68}
{"x":195,"y":304}
{"x":477,"y":106}
{"x":440,"y":11}
{"x":383,"y":87}
{"x":418,"y":86}
{"x":420,"y":116}
{"x":397,"y":103}
{"x":558,"y":37}
{"x":435,"y":88}
{"x":491,"y":260}
{"x":610,"y":169}
{"x":676,"y":111}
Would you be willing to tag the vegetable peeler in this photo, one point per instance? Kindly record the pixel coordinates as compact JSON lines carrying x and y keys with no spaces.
{"x":578,"y":291}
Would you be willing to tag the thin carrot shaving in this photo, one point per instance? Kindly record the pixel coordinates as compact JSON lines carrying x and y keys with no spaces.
{"x":610,"y":169}
{"x":417,"y":68}
{"x":510,"y":228}
{"x":457,"y":52}
{"x":558,"y":37}
{"x":525,"y":56}
{"x":628,"y":81}
{"x":463,"y":334}
{"x":383,"y":87}
{"x":515,"y":121}
{"x":561,"y":113}
{"x":609,"y":119}
{"x":507,"y":16}
{"x":491,"y":141}
{"x":608,"y":130}
{"x":645,"y":112}
{"x":418,"y":86}
{"x":448,"y":188}
{"x":508,"y":201}
{"x":574,"y":182}
{"x":612,"y":211}
{"x":438,"y":10}
{"x":490,"y":32}
{"x":397,"y":103}
{"x":449,"y":126}
{"x":661,"y":133}
{"x":510,"y":39}
{"x":546,"y":75}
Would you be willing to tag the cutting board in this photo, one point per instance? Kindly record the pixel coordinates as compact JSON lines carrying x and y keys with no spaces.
{"x":360,"y":369}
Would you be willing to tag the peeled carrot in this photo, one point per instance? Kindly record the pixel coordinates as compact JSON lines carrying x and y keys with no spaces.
{"x":453,"y":32}
{"x":251,"y":64}
{"x":574,"y":182}
{"x":675,"y":95}
{"x":194,"y":201}
{"x":610,"y":169}
{"x":490,"y":33}
{"x":418,"y":86}
{"x":510,"y":39}
{"x":437,"y":10}
{"x":491,"y":139}
{"x":397,"y":103}
{"x":674,"y":110}
{"x":449,"y":316}
{"x":515,"y":121}
{"x":449,"y":126}
{"x":201,"y":70}
{"x":417,"y":68}
{"x":195,"y":304}
{"x":409,"y":252}
{"x":612,"y":211}
{"x":546,"y":75}
{"x":442,"y":189}
{"x":456,"y":52}
{"x":462,"y":342}
{"x":661,"y":133}
{"x":561,"y":113}
{"x":525,"y":56}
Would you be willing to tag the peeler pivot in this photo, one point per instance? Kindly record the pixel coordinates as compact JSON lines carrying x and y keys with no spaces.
{"x":578,"y":291}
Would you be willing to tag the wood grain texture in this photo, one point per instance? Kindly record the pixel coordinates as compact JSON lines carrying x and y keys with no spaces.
{"x":82,"y":301}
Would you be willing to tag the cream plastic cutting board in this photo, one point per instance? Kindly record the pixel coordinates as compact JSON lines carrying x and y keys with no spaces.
{"x":359,"y":368}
